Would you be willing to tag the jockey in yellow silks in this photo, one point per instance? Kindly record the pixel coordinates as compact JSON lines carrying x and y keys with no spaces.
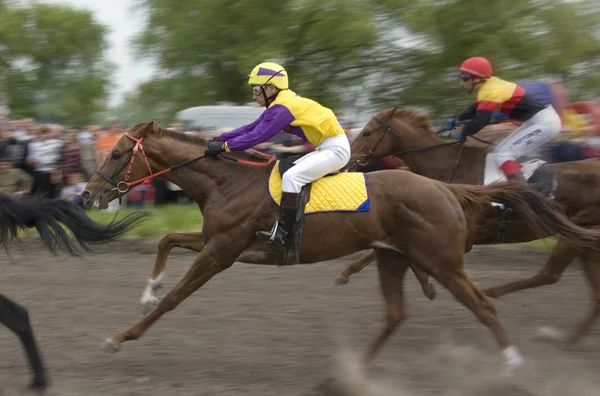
{"x":303,"y":117}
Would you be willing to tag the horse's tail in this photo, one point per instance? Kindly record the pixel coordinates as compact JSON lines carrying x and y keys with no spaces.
{"x":46,"y":215}
{"x":542,"y":215}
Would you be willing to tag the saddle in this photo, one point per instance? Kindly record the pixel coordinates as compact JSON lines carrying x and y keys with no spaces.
{"x":535,"y":171}
{"x":284,"y":166}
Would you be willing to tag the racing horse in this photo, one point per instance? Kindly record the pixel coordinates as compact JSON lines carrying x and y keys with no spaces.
{"x":412,"y":221}
{"x":409,"y":135}
{"x":18,"y":214}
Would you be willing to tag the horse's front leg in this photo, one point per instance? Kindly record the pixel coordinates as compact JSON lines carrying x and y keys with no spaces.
{"x":16,"y":318}
{"x":214,"y":258}
{"x":189,"y":240}
{"x":354,"y":268}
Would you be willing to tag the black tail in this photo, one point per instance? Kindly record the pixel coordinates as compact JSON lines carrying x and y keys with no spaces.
{"x":46,"y":215}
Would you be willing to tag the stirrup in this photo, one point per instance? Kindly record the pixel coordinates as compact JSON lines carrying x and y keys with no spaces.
{"x":273,"y":233}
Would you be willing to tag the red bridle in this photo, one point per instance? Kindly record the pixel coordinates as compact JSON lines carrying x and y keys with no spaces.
{"x":125,"y":185}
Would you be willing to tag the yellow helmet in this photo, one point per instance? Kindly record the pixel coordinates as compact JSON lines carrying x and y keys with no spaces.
{"x":269,"y":73}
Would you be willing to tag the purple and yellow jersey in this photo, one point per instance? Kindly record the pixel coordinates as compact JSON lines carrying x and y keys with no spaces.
{"x":290,"y":113}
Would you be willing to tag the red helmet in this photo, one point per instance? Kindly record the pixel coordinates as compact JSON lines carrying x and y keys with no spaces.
{"x":477,"y":66}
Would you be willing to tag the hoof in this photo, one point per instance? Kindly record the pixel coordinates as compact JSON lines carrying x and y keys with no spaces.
{"x":38,"y":384}
{"x":549,"y":333}
{"x":341,"y":280}
{"x":110,"y":346}
{"x":148,"y":304}
{"x":512,"y":368}
{"x":430,"y":292}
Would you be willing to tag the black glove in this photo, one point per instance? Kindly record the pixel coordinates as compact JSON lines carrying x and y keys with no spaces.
{"x":214,"y":149}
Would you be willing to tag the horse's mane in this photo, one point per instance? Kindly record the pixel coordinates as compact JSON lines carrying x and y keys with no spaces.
{"x":147,"y":127}
{"x":419,"y":120}
{"x":414,"y":118}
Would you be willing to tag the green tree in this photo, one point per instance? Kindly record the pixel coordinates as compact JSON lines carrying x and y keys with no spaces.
{"x":524,"y":39}
{"x":51,"y":62}
{"x":205,"y":49}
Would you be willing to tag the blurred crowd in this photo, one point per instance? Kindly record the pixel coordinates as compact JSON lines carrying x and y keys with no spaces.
{"x":55,"y":162}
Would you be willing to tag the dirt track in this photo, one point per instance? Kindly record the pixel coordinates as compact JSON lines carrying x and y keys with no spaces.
{"x":279,"y":331}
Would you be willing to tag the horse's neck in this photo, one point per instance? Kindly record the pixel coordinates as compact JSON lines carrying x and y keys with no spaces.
{"x":208,"y":178}
{"x":439,"y":162}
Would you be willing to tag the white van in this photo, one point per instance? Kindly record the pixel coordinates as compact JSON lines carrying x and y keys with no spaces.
{"x":218,"y":118}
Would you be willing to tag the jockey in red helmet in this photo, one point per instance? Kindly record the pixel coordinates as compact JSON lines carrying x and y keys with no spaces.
{"x":540,"y":123}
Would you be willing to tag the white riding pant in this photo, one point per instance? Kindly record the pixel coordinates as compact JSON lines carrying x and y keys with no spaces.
{"x":331,"y":155}
{"x":533,"y":133}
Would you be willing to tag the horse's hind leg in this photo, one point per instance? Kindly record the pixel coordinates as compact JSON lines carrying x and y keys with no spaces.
{"x":456,"y":281}
{"x":16,"y":318}
{"x":591,"y":265}
{"x":356,"y":266}
{"x":392,"y":267}
{"x":189,"y":240}
{"x":560,"y":258}
{"x":426,"y":285}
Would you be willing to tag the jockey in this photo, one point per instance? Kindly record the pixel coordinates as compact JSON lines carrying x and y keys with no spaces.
{"x":540,"y":123}
{"x":303,"y":117}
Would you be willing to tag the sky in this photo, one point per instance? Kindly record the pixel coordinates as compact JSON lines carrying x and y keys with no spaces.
{"x":122,"y":22}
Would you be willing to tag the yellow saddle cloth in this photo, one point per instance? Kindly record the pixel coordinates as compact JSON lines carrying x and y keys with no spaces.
{"x":344,"y":192}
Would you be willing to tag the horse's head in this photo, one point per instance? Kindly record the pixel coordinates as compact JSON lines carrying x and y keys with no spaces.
{"x":126,"y":166}
{"x":389,"y":132}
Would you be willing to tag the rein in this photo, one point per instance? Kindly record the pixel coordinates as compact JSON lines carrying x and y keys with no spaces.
{"x":270,"y":158}
{"x":387,"y":124}
{"x":123,"y":186}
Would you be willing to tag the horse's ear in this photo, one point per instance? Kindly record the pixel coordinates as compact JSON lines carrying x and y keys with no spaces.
{"x":151,"y":127}
{"x":156,"y":128}
{"x":148,"y":128}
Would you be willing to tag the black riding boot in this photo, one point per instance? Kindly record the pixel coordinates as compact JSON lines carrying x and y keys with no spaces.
{"x":544,"y":189}
{"x":518,"y":176}
{"x":281,"y":233}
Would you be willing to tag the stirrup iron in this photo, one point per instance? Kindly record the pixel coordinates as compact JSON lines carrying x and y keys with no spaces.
{"x":273,"y":233}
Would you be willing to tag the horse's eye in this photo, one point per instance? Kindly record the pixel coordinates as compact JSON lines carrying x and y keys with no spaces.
{"x":366,"y":133}
{"x":115,"y":155}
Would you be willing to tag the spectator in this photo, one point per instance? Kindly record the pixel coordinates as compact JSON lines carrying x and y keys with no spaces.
{"x":87,"y":142}
{"x":107,"y":140}
{"x":12,"y":180}
{"x":73,"y":189}
{"x":44,"y":156}
{"x":25,"y":130}
{"x":71,"y":156}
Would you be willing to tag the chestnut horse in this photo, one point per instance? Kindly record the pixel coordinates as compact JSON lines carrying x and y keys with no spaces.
{"x":413,"y":221}
{"x":409,"y":135}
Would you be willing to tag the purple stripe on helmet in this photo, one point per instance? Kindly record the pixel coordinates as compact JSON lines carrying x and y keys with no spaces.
{"x":268,"y":72}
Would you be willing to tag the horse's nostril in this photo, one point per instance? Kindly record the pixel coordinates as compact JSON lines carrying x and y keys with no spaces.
{"x":86,"y":194}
